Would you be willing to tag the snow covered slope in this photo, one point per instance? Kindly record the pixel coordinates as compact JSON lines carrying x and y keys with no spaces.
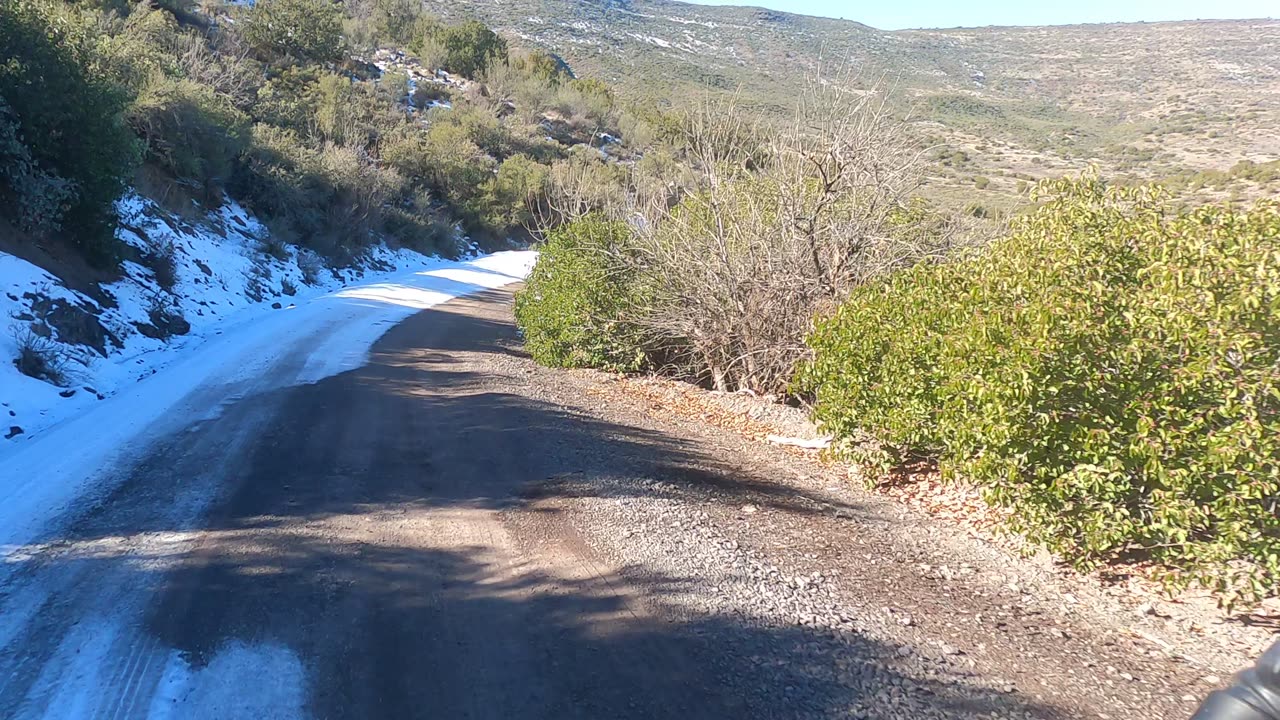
{"x":98,"y":346}
{"x":255,"y":325}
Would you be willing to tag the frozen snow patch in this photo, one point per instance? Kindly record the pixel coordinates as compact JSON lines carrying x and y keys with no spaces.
{"x":241,"y":682}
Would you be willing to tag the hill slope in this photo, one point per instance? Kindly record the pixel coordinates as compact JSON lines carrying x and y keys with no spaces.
{"x":1152,"y":98}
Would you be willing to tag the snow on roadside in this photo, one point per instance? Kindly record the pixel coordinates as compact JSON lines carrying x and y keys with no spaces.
{"x":243,"y":323}
{"x":109,"y":343}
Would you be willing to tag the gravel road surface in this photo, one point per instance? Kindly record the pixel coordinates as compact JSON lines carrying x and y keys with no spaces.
{"x":451,"y":531}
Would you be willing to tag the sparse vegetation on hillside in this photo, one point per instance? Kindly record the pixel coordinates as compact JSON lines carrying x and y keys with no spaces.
{"x":277,"y":104}
{"x":1034,"y":101}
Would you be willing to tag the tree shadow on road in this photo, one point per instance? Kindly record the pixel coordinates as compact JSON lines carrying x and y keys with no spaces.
{"x":396,"y":631}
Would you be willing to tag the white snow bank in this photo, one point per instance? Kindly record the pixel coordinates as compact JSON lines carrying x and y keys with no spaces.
{"x":239,"y":343}
{"x":221,"y":273}
{"x":42,"y":474}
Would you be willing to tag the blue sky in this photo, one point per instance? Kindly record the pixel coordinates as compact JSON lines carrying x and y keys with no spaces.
{"x":898,"y":14}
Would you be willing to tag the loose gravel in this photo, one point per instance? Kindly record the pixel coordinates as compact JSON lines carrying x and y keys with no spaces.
{"x":872,"y":609}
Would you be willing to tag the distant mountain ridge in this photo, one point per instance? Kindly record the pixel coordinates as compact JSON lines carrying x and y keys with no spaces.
{"x":1156,"y":97}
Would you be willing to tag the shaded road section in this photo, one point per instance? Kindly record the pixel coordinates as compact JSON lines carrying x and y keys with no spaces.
{"x":389,"y":542}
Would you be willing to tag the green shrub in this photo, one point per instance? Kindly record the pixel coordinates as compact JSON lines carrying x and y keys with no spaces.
{"x":482,"y":128}
{"x":1108,"y":371}
{"x":517,"y":189}
{"x":68,"y":124}
{"x":270,"y":174}
{"x":189,"y":130}
{"x":353,"y":114}
{"x":331,"y":197}
{"x":542,"y":66}
{"x":394,"y":88}
{"x":418,"y":225}
{"x":36,"y":197}
{"x":285,"y":99}
{"x":572,"y":310}
{"x":467,"y":49}
{"x":301,"y":29}
{"x":447,"y":160}
{"x":394,"y":19}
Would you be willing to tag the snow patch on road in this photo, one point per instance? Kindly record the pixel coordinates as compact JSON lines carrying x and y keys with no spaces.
{"x":217,"y":690}
{"x":69,"y":686}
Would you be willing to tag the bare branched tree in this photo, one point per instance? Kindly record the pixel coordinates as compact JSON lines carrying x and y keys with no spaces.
{"x":787,"y":224}
{"x":581,"y":185}
{"x":216,"y":59}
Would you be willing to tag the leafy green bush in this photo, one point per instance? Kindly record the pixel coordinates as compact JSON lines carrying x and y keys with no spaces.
{"x":67,"y":126}
{"x":285,"y":99}
{"x":394,"y":19}
{"x":572,"y":310}
{"x":542,"y":66}
{"x":302,"y":29}
{"x":190,"y":130}
{"x":1108,"y":371}
{"x":517,"y":189}
{"x":467,"y":49}
{"x":352,"y":114}
{"x":36,"y":197}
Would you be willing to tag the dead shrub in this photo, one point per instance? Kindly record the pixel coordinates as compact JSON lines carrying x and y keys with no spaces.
{"x":311,"y":266}
{"x":276,"y":238}
{"x":785,"y":224}
{"x":39,"y":357}
{"x":161,"y":257}
{"x":166,"y":317}
{"x":258,"y":285}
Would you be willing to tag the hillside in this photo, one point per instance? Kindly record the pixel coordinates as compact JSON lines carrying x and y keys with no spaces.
{"x":177,"y":167}
{"x":1151,"y":100}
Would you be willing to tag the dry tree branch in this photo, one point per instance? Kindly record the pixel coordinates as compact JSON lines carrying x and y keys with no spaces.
{"x":786,"y":224}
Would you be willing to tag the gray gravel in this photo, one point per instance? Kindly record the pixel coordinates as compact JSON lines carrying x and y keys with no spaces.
{"x":875,"y":672}
{"x":895,"y":614}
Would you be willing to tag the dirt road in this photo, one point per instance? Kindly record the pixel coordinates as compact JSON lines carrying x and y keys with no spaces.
{"x":453,"y":532}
